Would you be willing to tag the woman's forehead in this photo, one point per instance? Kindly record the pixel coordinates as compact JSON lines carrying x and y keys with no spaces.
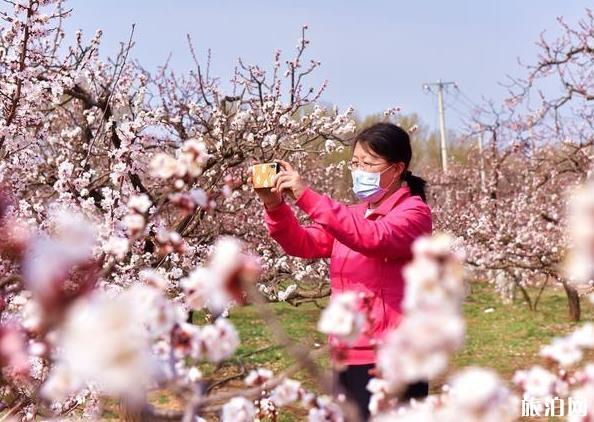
{"x":363,"y":151}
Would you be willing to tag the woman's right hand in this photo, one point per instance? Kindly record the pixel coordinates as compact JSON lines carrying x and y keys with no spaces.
{"x":269,"y":199}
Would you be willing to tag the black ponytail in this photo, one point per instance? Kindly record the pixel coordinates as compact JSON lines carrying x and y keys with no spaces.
{"x":416,"y":184}
{"x":393,"y":144}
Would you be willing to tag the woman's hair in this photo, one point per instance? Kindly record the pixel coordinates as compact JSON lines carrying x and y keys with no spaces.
{"x":393,"y":144}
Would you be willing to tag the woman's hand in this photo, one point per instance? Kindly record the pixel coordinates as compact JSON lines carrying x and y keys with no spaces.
{"x":269,"y":199}
{"x":290,"y":180}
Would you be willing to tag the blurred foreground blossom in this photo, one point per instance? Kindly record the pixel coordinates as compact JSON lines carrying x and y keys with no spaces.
{"x":325,"y":409}
{"x":580,"y":262}
{"x":218,"y":341}
{"x":104,"y":342}
{"x":189,"y":164}
{"x":475,"y":394}
{"x":222,"y":281}
{"x":286,"y":393}
{"x":258,"y":377}
{"x":14,"y":358}
{"x":59,"y":267}
{"x":432,"y":327}
{"x":479,"y":394}
{"x":238,"y":409}
{"x":343,"y":318}
{"x":563,"y":350}
{"x":214,"y":342}
{"x":538,"y":382}
{"x":419,"y":348}
{"x":434,"y":279}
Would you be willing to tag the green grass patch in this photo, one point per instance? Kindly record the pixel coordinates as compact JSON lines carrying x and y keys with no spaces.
{"x":510,"y":337}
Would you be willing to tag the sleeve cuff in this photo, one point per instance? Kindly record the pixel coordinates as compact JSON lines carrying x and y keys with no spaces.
{"x":277,"y":213}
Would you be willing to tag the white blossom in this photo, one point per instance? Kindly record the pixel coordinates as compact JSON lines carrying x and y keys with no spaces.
{"x":342,"y":317}
{"x":104,"y":342}
{"x":219,"y":340}
{"x":238,"y":409}
{"x":285,"y":294}
{"x":562,"y":350}
{"x":164,"y":166}
{"x":117,"y":246}
{"x":286,"y":393}
{"x":536,"y":382}
{"x":139,"y":203}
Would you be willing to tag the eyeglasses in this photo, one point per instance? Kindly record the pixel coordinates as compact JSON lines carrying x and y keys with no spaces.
{"x":354,"y":165}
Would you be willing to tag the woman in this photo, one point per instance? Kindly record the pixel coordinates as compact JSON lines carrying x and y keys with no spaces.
{"x":368,"y":243}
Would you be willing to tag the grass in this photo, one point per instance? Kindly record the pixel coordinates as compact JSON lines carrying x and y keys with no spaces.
{"x":299,"y":323}
{"x":510,"y":337}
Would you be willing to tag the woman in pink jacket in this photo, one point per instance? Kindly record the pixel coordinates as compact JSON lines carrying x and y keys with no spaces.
{"x":368,"y":243}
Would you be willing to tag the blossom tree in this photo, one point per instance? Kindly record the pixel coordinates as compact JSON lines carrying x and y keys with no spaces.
{"x":539,"y":145}
{"x":116,"y":185}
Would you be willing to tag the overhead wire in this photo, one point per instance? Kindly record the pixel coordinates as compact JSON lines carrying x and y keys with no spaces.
{"x":463,"y":98}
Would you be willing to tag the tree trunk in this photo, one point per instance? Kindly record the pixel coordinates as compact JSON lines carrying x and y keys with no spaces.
{"x":573,"y":301}
{"x":129,"y":413}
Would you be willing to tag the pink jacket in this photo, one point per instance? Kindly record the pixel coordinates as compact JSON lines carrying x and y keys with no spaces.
{"x":366,"y":254}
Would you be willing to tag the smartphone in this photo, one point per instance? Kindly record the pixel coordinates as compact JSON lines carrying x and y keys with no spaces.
{"x":262,"y":174}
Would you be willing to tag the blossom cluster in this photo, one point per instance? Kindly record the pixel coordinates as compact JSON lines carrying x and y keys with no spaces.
{"x":344,"y":317}
{"x":433,"y":326}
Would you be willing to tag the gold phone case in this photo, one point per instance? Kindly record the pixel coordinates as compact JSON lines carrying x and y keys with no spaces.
{"x":262,"y":174}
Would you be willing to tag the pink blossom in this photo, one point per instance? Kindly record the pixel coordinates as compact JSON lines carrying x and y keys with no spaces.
{"x":221,"y":282}
{"x":13,"y":352}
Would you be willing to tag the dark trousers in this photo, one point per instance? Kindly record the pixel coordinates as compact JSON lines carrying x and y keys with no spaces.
{"x":353,"y":383}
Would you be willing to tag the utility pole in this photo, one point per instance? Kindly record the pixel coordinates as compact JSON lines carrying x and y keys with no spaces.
{"x":442,"y":128}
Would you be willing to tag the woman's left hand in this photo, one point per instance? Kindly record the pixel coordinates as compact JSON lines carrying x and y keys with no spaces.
{"x":289,"y":179}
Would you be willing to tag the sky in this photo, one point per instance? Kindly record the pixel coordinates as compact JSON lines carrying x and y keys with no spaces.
{"x":375,"y":54}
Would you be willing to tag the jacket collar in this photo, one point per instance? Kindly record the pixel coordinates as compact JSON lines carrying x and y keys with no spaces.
{"x":402,"y":193}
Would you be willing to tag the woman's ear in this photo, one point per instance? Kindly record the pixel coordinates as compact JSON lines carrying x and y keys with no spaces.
{"x":400,"y":169}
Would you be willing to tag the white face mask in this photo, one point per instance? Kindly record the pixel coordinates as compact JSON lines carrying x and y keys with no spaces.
{"x":366,"y":185}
